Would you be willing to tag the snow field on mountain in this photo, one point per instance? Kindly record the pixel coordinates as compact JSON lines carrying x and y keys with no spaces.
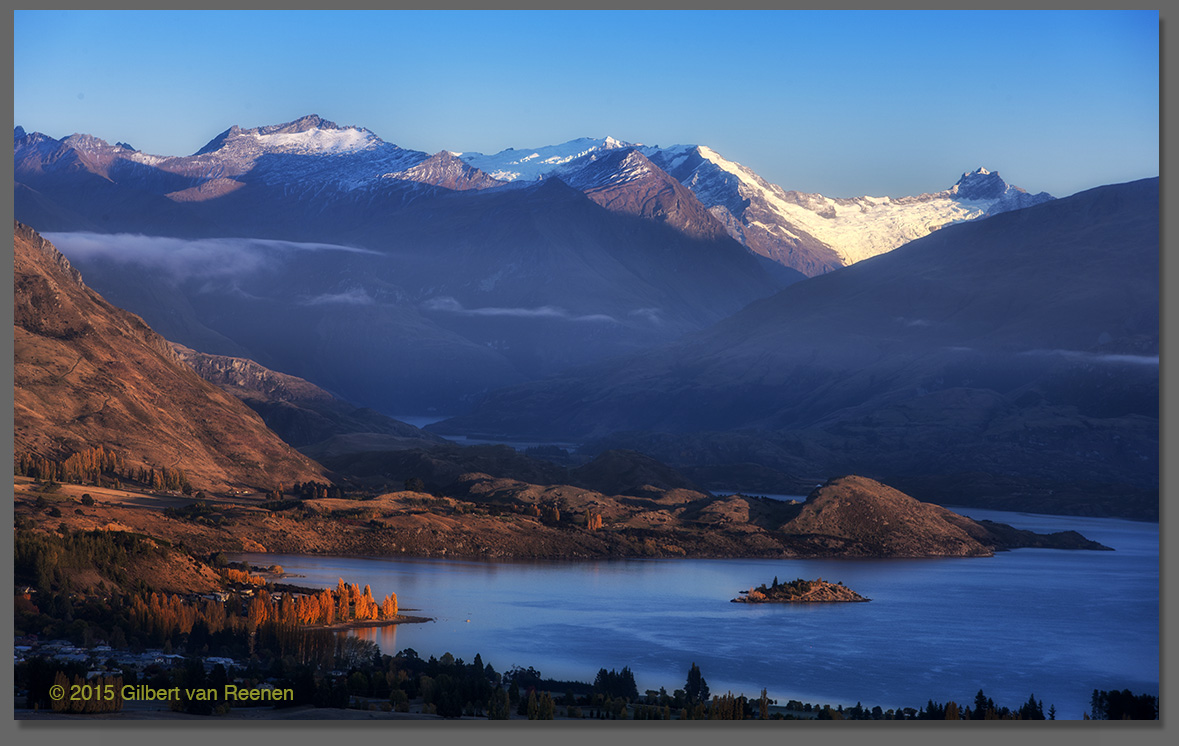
{"x":319,"y":141}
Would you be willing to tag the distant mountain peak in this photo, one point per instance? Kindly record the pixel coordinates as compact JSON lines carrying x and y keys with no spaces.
{"x":302,"y":124}
{"x":980,"y":184}
{"x":531,"y":164}
{"x":86,"y":143}
{"x":308,"y":134}
{"x":445,"y":169}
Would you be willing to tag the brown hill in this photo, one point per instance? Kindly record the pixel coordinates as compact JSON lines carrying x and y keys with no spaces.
{"x":867,"y":518}
{"x":89,"y":374}
{"x":886,"y":522}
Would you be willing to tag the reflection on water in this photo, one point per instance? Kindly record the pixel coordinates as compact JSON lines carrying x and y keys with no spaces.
{"x":1054,"y":623}
{"x":384,"y":637}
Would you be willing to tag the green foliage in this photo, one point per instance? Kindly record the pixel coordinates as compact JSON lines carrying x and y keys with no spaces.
{"x":617,"y":684}
{"x":44,"y":561}
{"x":199,"y":512}
{"x":276,"y":506}
{"x":314,"y":491}
{"x":193,"y":679}
{"x":1032,"y":710}
{"x":545,"y":709}
{"x":792,"y":589}
{"x":1123,"y":705}
{"x":696,"y":688}
{"x":415,"y":484}
{"x":500,"y":706}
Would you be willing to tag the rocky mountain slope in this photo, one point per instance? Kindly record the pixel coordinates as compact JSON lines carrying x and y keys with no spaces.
{"x":88,"y":374}
{"x":299,"y":412}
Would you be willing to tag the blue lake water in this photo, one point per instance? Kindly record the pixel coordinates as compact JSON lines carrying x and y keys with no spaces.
{"x":1052,"y":623}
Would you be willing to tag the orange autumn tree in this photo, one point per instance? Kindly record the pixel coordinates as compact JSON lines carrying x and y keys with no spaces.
{"x":365,"y":608}
{"x":389,"y":607}
{"x":258,"y":614}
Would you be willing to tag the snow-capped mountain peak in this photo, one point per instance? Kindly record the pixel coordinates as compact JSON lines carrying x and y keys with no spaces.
{"x":86,"y":143}
{"x":530,"y":164}
{"x":980,"y":184}
{"x":309,"y":135}
{"x":814,"y":233}
{"x":808,"y":232}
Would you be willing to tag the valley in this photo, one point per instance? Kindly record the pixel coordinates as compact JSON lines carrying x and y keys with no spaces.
{"x":690,"y":325}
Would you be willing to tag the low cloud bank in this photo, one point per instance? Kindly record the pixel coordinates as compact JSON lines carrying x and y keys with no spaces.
{"x":184,"y":259}
{"x":354,"y":297}
{"x":1095,"y":357}
{"x":448,"y":304}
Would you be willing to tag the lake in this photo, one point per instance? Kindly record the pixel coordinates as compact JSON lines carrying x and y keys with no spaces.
{"x":1052,"y":623}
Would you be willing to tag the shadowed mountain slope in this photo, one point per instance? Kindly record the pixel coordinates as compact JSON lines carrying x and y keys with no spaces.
{"x":1025,"y":344}
{"x":299,"y":412}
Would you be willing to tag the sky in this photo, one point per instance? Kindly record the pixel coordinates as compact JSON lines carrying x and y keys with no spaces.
{"x":883,"y":103}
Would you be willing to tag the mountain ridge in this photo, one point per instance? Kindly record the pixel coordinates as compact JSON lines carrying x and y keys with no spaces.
{"x":810,"y":233}
{"x":89,"y":374}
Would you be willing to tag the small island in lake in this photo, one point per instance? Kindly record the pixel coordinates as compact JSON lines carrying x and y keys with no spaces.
{"x":799,"y":592}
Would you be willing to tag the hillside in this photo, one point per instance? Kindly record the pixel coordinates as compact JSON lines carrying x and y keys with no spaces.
{"x":299,"y":412}
{"x":89,"y":374}
{"x":1021,"y":347}
{"x":486,"y":518}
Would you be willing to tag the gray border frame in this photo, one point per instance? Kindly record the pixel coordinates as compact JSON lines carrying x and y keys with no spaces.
{"x":296,"y":733}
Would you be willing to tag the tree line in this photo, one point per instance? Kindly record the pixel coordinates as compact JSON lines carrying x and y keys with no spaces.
{"x":90,"y":465}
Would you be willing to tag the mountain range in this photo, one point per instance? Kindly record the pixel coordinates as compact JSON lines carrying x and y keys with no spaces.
{"x":396,"y":280}
{"x":410,"y":282}
{"x":810,"y":233}
{"x":807,"y":232}
{"x":646,"y":298}
{"x":1013,"y":355}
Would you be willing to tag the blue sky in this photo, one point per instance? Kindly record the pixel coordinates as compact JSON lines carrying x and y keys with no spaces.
{"x":841,"y":103}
